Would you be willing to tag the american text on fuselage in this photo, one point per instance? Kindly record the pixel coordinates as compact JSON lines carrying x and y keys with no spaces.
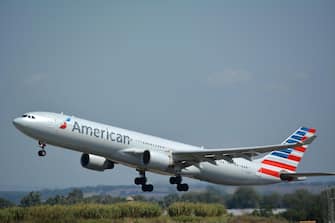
{"x":100,"y":133}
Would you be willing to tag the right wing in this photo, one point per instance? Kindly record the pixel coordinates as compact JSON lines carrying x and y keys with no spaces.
{"x":195,"y":156}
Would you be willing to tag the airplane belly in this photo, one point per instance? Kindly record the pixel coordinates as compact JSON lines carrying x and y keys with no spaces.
{"x":226,"y":173}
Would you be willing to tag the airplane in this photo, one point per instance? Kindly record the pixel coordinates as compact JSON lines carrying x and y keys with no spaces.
{"x":102,"y":146}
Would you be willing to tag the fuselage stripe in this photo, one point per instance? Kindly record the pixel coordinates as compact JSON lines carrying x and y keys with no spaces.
{"x":291,"y":141}
{"x":296,"y":137}
{"x":269,"y":172}
{"x":297,"y":153}
{"x":301,"y":133}
{"x":279,"y":154}
{"x":300,"y":149}
{"x":311,"y":130}
{"x":287,"y":156}
{"x":304,"y":129}
{"x":279,"y":164}
{"x":283,"y":160}
{"x":295,"y":158}
{"x":288,"y":151}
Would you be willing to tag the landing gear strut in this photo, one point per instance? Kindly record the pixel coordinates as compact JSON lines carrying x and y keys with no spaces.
{"x":42,"y":151}
{"x":177,"y":180}
{"x":142,"y":180}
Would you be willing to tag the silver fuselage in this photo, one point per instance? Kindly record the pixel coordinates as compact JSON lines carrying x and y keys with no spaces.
{"x":112,"y":143}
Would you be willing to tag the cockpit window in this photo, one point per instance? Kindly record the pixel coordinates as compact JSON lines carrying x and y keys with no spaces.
{"x":28,"y":116}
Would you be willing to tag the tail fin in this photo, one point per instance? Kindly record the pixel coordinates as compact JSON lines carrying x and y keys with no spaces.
{"x":287,"y":160}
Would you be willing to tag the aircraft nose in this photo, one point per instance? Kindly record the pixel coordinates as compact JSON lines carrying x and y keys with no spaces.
{"x":17,"y":122}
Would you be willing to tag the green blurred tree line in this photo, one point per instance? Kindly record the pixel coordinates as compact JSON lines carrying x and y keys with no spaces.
{"x":300,"y":204}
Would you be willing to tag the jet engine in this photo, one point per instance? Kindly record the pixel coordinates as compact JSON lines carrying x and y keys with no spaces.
{"x":157,"y":160}
{"x":94,"y":162}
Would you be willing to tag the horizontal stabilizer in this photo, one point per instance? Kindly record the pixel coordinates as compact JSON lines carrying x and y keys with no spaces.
{"x":298,"y":176}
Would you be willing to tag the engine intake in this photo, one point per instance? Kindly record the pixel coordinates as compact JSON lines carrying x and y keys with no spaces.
{"x":157,"y":159}
{"x":94,"y":162}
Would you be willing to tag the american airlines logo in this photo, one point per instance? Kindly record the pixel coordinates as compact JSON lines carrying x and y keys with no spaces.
{"x":106,"y":134}
{"x":64,"y":125}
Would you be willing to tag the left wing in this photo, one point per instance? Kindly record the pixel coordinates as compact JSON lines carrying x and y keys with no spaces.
{"x":195,"y":156}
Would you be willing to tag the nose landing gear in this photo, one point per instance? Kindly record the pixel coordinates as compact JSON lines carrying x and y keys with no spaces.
{"x":42,"y":151}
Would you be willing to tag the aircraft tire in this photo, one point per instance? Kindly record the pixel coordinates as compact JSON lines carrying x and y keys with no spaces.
{"x":182,"y":187}
{"x":140,"y":180}
{"x":147,"y":187}
{"x":42,"y":153}
{"x":175,"y":180}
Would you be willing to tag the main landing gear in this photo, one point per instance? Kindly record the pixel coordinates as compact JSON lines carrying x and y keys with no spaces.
{"x":42,"y":151}
{"x":142,"y":180}
{"x":177,"y":180}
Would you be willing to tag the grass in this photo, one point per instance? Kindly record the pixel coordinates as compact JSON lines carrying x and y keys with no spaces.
{"x":131,"y":212}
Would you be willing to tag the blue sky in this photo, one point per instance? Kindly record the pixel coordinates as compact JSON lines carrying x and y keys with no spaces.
{"x":212,"y":73}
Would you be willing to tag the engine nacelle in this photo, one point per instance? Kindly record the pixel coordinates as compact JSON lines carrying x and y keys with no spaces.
{"x":157,"y":160}
{"x":94,"y":162}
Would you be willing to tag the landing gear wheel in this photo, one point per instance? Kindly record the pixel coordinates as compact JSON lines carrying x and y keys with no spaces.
{"x":147,"y":187}
{"x":140,"y":180}
{"x":175,"y":180}
{"x":42,"y":152}
{"x":182,"y":187}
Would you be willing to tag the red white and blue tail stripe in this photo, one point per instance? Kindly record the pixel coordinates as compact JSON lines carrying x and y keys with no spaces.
{"x":286,"y":160}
